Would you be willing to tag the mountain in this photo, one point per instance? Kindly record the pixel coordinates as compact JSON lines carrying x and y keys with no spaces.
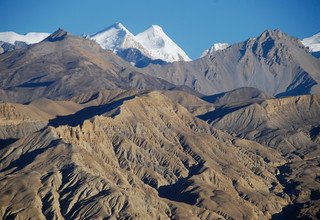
{"x":117,"y":38}
{"x":63,"y":66}
{"x":313,"y":43}
{"x":215,"y":47}
{"x":275,"y":63}
{"x":150,"y":46}
{"x":160,"y":46}
{"x":29,"y":38}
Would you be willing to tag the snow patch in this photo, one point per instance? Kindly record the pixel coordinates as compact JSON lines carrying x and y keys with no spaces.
{"x":215,"y":47}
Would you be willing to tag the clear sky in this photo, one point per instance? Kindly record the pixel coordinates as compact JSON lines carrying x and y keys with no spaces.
{"x":193,"y":24}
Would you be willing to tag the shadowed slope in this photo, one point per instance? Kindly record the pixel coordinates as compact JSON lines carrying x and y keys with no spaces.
{"x":245,"y":94}
{"x":79,"y":117}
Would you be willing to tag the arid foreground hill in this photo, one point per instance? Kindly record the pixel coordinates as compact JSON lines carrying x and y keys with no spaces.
{"x":98,"y":139}
{"x":148,"y":157}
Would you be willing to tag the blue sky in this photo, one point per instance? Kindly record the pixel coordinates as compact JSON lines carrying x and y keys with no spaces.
{"x":193,"y":24}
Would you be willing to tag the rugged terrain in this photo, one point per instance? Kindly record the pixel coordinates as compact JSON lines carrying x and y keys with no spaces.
{"x":139,"y":153}
{"x":149,"y":157}
{"x":86,"y":135}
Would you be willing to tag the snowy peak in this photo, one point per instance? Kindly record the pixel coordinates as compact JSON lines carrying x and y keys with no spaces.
{"x":215,"y":47}
{"x":117,"y":38}
{"x":156,"y":28}
{"x":152,"y":43}
{"x":119,"y":28}
{"x":112,"y":38}
{"x":118,"y":25}
{"x":153,"y":37}
{"x":312,"y":42}
{"x":29,"y":38}
{"x":160,"y":46}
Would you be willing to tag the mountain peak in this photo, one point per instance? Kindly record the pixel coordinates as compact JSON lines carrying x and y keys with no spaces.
{"x":160,"y":46}
{"x":275,"y":33}
{"x":120,"y":26}
{"x":152,"y":43}
{"x":58,"y":35}
{"x":116,"y":38}
{"x":156,"y":28}
{"x":112,"y":30}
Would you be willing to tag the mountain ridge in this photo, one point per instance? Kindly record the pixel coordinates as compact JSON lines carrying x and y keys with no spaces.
{"x":273,"y":57}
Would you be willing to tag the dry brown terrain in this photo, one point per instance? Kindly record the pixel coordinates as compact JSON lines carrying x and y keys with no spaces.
{"x":143,"y":158}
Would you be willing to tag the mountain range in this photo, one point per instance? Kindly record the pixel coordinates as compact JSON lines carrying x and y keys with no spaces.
{"x":274,"y":63}
{"x":120,"y":126}
{"x":150,"y":46}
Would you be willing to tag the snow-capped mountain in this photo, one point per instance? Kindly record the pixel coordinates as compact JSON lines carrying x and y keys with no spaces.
{"x":152,"y":44}
{"x":29,"y":38}
{"x":313,"y":43}
{"x":160,"y":46}
{"x":117,"y":38}
{"x":215,"y":47}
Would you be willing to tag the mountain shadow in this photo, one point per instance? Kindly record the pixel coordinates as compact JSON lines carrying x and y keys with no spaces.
{"x":79,"y":117}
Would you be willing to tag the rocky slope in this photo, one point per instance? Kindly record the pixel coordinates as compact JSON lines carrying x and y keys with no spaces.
{"x":291,"y":126}
{"x":284,"y":124}
{"x":16,"y":120}
{"x":6,"y":47}
{"x":150,"y":158}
